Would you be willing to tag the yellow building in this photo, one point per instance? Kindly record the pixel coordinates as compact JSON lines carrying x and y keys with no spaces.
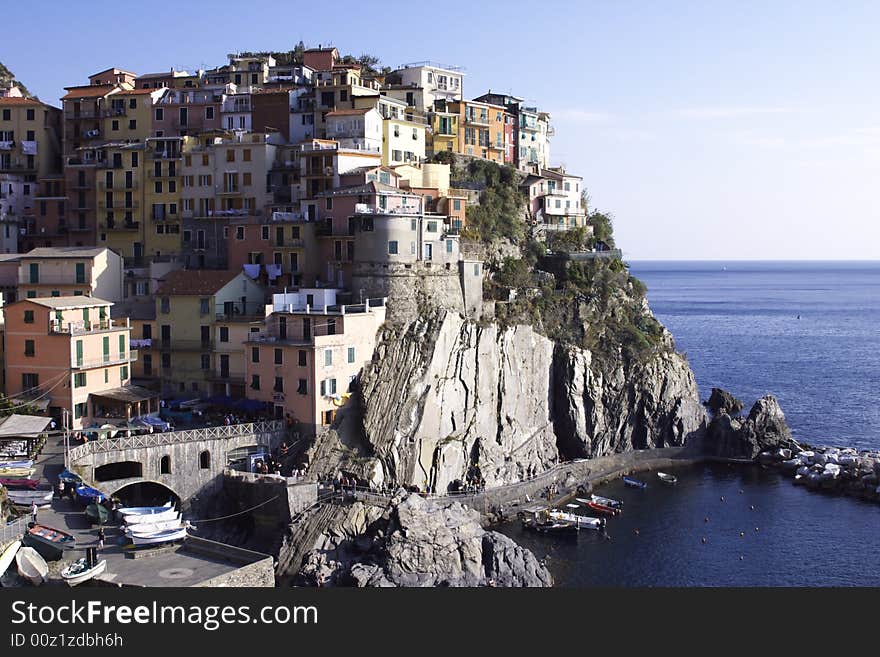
{"x":120,"y":183}
{"x":162,"y":196}
{"x":402,"y":142}
{"x":189,"y":304}
{"x":127,"y":114}
{"x":443,"y":133}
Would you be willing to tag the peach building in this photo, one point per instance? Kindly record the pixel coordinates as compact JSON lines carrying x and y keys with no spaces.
{"x":309,"y":353}
{"x":66,"y":355}
{"x":70,"y":271}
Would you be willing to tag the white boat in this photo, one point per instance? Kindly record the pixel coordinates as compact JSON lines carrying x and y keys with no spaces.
{"x":27,"y":497}
{"x":152,"y":527}
{"x":165,"y":536}
{"x":8,"y":556}
{"x":667,"y":478}
{"x":606,"y":501}
{"x":16,"y":464}
{"x":79,"y":571}
{"x":157,"y":516}
{"x":583,"y":522}
{"x":31,"y":565}
{"x":143,"y":510}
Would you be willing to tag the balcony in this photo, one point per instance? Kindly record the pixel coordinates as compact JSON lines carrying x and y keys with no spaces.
{"x":85,"y":328}
{"x":477,"y":120}
{"x":134,"y":204}
{"x":228,"y":190}
{"x":289,"y":243}
{"x":121,"y":225}
{"x":183,"y":345}
{"x":170,"y":174}
{"x":105,"y":361}
{"x":80,"y":228}
{"x":166,"y":155}
{"x":81,"y":114}
{"x":113,"y":111}
{"x":118,"y":185}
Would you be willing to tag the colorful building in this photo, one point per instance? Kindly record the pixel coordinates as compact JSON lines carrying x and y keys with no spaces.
{"x":433,"y":82}
{"x":403,"y":142}
{"x":70,"y":271}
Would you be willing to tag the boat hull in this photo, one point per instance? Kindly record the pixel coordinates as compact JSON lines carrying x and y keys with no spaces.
{"x":8,"y":555}
{"x":634,"y":483}
{"x":19,"y":484}
{"x":49,"y":542}
{"x":28,"y":497}
{"x":31,"y":565}
{"x":167,"y":536}
{"x":136,"y":519}
{"x":601,"y":508}
{"x":72,"y":578}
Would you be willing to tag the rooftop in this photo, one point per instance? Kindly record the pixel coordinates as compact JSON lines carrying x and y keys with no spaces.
{"x":88,"y":91}
{"x":372,"y":187}
{"x":77,"y":252}
{"x":194,"y":282}
{"x":349,"y":112}
{"x":14,"y":101}
{"x":59,"y":303}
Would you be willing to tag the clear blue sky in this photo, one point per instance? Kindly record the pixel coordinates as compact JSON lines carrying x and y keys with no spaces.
{"x":709,"y":129}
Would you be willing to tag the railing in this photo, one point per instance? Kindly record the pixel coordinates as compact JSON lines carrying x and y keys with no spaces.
{"x":183,"y":345}
{"x":118,"y":185}
{"x":263,"y":432}
{"x":81,"y":328}
{"x":117,"y":359}
{"x":13,"y":531}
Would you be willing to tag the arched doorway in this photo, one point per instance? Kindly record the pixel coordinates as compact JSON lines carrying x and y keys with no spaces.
{"x":146,"y":493}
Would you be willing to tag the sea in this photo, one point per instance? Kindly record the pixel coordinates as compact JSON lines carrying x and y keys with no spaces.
{"x":806,"y":332}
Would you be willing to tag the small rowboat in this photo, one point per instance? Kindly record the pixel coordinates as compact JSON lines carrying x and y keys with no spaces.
{"x":634,"y":483}
{"x":582,"y":522}
{"x":16,"y":473}
{"x":19,"y":483}
{"x":97,"y":513}
{"x":152,"y":527}
{"x":16,"y":464}
{"x":69,"y":477}
{"x":165,"y":536}
{"x":31,"y":565}
{"x":144,"y":510}
{"x":8,"y":556}
{"x":551,"y":527}
{"x":601,"y":508}
{"x":607,"y":501}
{"x":79,"y":571}
{"x":48,"y":541}
{"x":28,"y":497}
{"x":667,"y":478}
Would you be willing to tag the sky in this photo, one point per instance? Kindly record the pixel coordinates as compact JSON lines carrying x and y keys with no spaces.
{"x":708,"y":130}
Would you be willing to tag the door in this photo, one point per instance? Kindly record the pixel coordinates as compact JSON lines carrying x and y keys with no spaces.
{"x":206,"y":335}
{"x":224,"y":366}
{"x":279,"y":236}
{"x":429,"y":252}
{"x":282,"y":328}
{"x":307,"y":329}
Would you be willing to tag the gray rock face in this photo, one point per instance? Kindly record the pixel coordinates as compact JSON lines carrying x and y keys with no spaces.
{"x":721,"y":401}
{"x":445,"y":395}
{"x":420,"y":543}
{"x":764,"y":429}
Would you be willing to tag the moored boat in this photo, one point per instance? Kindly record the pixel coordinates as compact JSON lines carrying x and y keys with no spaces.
{"x":582,"y":522}
{"x":16,"y":464}
{"x":18,"y":484}
{"x":667,"y":478}
{"x":97,"y":513}
{"x":16,"y":473}
{"x":602,"y":508}
{"x":28,"y":497}
{"x":48,"y":541}
{"x":81,"y":570}
{"x":164,"y":536}
{"x":89,"y":495}
{"x":153,"y":527}
{"x":142,"y":510}
{"x":31,"y":565}
{"x":8,"y":555}
{"x":154,"y":516}
{"x":69,"y":477}
{"x":634,"y":483}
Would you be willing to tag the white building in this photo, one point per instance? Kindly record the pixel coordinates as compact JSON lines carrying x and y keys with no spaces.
{"x":359,"y":129}
{"x":436,"y":81}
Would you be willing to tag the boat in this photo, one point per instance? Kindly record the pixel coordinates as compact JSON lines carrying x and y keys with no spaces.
{"x":550,"y":527}
{"x":16,"y":473}
{"x":31,"y":565}
{"x":69,"y":477}
{"x":157,"y":514}
{"x":164,"y":536}
{"x":48,"y":541}
{"x":19,"y":483}
{"x":605,"y":501}
{"x":142,"y":510}
{"x":97,"y":513}
{"x":28,"y":497}
{"x":634,"y":483}
{"x":667,"y":478}
{"x":81,"y":570}
{"x":16,"y":464}
{"x":8,"y":555}
{"x":601,"y":508}
{"x":152,"y":527}
{"x":88,"y":494}
{"x":582,"y":522}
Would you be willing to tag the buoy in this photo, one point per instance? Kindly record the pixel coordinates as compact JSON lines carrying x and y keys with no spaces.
{"x":740,"y":491}
{"x":636,"y":532}
{"x":741,"y":558}
{"x":756,"y":529}
{"x":704,"y":539}
{"x":742,"y":533}
{"x":705,"y":519}
{"x":722,"y":498}
{"x":752,"y":507}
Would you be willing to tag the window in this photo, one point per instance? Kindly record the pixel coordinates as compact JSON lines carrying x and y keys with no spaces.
{"x":351,"y":354}
{"x":432,"y":226}
{"x":224,"y":334}
{"x":115,"y":125}
{"x":209,"y":113}
{"x":328,"y":387}
{"x":239,"y":232}
{"x":122,"y":346}
{"x":123,"y":373}
{"x":255,"y":381}
{"x":79,"y":380}
{"x":279,"y":384}
{"x":456,"y":204}
{"x":166,"y":360}
{"x":206,"y":361}
{"x":302,"y":387}
{"x":106,"y":376}
{"x":29,"y":348}
{"x":230,"y":155}
{"x":204,"y":306}
{"x":165,"y":305}
{"x":30,"y":115}
{"x":392,"y":247}
{"x":264,"y":232}
{"x":448,"y":246}
{"x":165,"y":465}
{"x":328,"y":357}
{"x":80,"y":410}
{"x":255,"y":354}
{"x":160,"y":114}
{"x":328,"y":204}
{"x":132,"y":124}
{"x":279,"y":357}
{"x":158,"y":186}
{"x":7,"y":115}
{"x":28,"y":316}
{"x":134,"y":160}
{"x":246,"y":154}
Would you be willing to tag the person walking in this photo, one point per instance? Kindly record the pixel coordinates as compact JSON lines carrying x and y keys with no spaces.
{"x":34,"y":512}
{"x":101,"y":537}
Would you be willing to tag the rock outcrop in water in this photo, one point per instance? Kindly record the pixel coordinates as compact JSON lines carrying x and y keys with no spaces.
{"x":446,"y":398}
{"x":416,"y":542}
{"x":721,"y":401}
{"x":764,"y":429}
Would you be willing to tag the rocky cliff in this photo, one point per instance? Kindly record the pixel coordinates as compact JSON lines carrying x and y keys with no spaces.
{"x":418,"y":543}
{"x":446,"y":399}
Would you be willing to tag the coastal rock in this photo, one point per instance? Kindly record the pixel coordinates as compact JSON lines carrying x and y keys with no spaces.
{"x":721,"y":401}
{"x":765,"y":429}
{"x":446,"y":400}
{"x":419,"y":542}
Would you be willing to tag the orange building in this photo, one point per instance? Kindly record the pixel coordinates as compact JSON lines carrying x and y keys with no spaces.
{"x":481,"y":130}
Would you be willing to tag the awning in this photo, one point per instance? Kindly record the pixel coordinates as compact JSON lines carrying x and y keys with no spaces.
{"x":23,"y":426}
{"x":127,"y":394}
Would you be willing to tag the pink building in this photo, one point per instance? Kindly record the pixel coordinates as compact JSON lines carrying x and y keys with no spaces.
{"x":66,"y":355}
{"x":181,"y":112}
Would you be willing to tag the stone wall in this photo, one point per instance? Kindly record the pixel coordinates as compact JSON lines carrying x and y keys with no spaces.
{"x":410,"y":288}
{"x":256,"y":569}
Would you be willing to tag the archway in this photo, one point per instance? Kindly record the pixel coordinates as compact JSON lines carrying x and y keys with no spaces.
{"x":119,"y":470}
{"x":146,"y":493}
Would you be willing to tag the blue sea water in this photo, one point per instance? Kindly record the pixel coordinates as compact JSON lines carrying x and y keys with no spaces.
{"x":806,"y":332}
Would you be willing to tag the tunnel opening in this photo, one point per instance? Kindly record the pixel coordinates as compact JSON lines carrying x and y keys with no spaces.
{"x":120,"y":470}
{"x":146,"y":493}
